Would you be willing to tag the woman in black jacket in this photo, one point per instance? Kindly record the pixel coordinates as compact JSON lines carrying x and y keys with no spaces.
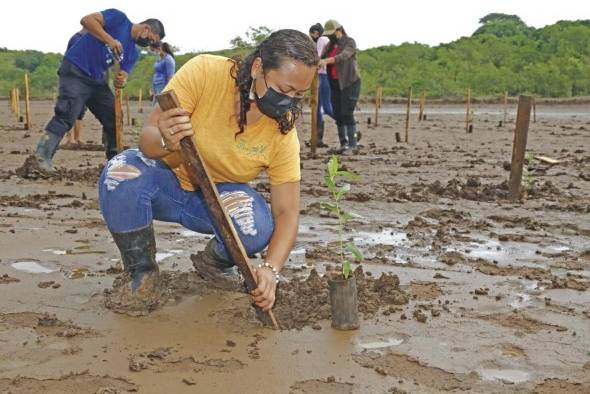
{"x":345,"y":82}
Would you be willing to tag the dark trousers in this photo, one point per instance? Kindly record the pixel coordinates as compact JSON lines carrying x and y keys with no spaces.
{"x":344,"y":102}
{"x":77,"y":90}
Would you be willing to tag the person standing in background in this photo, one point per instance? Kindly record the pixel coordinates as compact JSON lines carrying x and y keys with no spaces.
{"x":164,"y":69}
{"x":345,"y":82}
{"x":324,"y":97}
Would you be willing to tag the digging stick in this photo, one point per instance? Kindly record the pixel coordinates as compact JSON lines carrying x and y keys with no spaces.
{"x":118,"y":111}
{"x":408,"y":108}
{"x":199,"y":176}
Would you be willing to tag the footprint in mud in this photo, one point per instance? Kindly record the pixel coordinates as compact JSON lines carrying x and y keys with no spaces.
{"x":44,"y":324}
{"x":70,"y":383}
{"x":316,"y":386}
{"x":406,"y":367}
{"x":164,"y":360}
{"x":170,"y":286}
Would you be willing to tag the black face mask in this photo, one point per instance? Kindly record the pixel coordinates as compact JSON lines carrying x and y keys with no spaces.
{"x":315,"y":39}
{"x":274,"y":104}
{"x":144,"y":41}
{"x":333,"y":38}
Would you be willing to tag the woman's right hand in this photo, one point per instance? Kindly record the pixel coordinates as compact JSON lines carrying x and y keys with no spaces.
{"x":174,"y":125}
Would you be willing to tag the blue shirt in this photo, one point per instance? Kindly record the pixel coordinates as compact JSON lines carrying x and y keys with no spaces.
{"x":164,"y":69}
{"x":94,"y":57}
{"x":74,"y":39}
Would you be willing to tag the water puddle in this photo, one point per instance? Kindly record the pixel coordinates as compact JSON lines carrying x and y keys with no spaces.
{"x":387,"y":236}
{"x":161,"y":256}
{"x":189,"y":233}
{"x":56,"y":251}
{"x":519,"y":300}
{"x":505,"y":375}
{"x":378,"y":342}
{"x":32,"y":267}
{"x":297,"y":258}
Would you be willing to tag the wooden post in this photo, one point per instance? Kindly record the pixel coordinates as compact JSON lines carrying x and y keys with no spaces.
{"x":468,"y":112}
{"x":505,"y":106}
{"x":378,"y":93}
{"x":199,"y":177}
{"x":534,"y":110}
{"x":17,"y":104}
{"x":523,"y":117}
{"x":313,"y":103}
{"x":27,"y":104}
{"x":408,"y":114}
{"x":127,"y":111}
{"x":11,"y":100}
{"x":422,"y":103}
{"x":140,"y":101}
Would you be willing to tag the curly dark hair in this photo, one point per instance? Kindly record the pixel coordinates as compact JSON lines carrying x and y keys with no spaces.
{"x":275,"y":49}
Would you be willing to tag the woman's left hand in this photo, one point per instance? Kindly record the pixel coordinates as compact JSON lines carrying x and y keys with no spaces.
{"x":264,"y":295}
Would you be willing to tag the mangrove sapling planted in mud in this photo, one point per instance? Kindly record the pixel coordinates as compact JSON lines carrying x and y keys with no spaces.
{"x":343,"y":291}
{"x":528,"y":180}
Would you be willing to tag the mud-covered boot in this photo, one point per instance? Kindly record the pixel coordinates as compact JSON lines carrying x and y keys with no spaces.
{"x":217,"y":270}
{"x":138,"y":253}
{"x":46,"y":148}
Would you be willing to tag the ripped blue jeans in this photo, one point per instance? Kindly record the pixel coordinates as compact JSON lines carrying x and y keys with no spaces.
{"x":133,"y":190}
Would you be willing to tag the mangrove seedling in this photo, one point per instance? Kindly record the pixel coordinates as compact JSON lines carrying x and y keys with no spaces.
{"x":337,"y":190}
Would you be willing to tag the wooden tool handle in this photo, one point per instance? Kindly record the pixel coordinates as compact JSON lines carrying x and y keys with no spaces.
{"x":118,"y":110}
{"x":200,"y":178}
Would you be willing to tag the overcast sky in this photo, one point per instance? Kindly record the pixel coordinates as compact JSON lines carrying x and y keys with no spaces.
{"x":46,"y":25}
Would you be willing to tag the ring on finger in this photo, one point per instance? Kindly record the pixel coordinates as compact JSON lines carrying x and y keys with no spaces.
{"x":171,"y":131}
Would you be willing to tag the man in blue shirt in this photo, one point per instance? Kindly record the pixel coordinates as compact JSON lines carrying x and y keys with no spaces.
{"x":111,"y":37}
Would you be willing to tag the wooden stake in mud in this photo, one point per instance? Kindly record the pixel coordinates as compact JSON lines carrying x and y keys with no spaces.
{"x":313,"y":103}
{"x":408,"y":114}
{"x":11,"y":100}
{"x":27,"y":104}
{"x":140,"y":101}
{"x":127,"y":111}
{"x":17,"y":104}
{"x":468,"y":113}
{"x":523,"y":118}
{"x":422,"y":103}
{"x":505,"y":107}
{"x":378,"y":94}
{"x":199,"y":177}
{"x":534,"y":110}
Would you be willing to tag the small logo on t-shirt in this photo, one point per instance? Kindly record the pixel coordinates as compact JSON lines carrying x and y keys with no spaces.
{"x":110,"y":57}
{"x":257,"y":151}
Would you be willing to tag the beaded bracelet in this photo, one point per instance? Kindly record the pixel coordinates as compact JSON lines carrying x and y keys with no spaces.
{"x":273,"y":269}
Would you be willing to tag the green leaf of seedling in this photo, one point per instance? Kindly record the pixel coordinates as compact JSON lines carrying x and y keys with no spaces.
{"x":333,"y":166}
{"x":343,"y":190}
{"x":329,"y":206}
{"x":347,"y":174}
{"x":330,"y":184}
{"x":346,"y":217}
{"x":346,"y":269}
{"x":352,"y":248}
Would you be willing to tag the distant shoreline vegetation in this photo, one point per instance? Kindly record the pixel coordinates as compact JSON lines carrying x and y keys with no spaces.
{"x":503,"y":54}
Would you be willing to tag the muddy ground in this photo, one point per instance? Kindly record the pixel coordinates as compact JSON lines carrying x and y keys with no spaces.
{"x":484,"y":296}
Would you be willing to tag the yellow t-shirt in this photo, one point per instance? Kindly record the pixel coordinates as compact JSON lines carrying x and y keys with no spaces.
{"x":206,"y":89}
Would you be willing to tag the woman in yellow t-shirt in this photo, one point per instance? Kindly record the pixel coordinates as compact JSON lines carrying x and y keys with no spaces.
{"x":241,"y":116}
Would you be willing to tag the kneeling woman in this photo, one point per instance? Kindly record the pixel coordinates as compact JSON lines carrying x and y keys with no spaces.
{"x":241,"y":116}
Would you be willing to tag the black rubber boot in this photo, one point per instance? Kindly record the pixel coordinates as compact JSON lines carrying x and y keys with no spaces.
{"x":351,"y":133}
{"x":46,"y":148}
{"x":138,"y":252}
{"x":110,"y":145}
{"x":342,"y":136}
{"x":217,"y":270}
{"x":321,"y":143}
